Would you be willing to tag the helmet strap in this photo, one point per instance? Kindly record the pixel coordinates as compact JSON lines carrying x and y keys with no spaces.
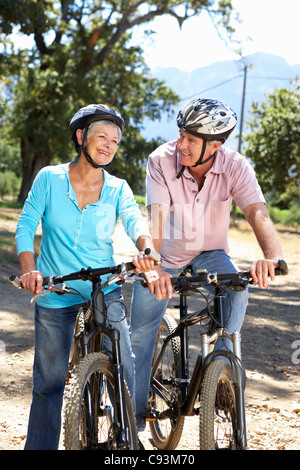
{"x":180,"y":172}
{"x":200,"y":160}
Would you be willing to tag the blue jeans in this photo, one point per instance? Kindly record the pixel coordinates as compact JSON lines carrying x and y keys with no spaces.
{"x":147,"y":313}
{"x":53,"y":337}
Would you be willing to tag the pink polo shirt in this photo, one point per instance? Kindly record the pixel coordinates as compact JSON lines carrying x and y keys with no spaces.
{"x":198,"y":220}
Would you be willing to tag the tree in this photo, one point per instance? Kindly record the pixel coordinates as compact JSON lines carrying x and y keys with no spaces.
{"x":82,"y":54}
{"x":274,"y":145}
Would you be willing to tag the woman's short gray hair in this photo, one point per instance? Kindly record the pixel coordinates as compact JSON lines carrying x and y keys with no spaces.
{"x":107,"y":123}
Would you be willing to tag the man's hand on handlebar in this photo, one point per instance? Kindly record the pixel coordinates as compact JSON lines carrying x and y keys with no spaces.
{"x":159,"y":283}
{"x":157,"y":279}
{"x":261,"y":270}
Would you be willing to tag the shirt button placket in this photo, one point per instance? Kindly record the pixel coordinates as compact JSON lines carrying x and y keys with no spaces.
{"x":78,"y":229}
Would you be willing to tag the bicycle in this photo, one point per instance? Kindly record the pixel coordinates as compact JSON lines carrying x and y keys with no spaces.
{"x":215,"y":391}
{"x":98,"y":413}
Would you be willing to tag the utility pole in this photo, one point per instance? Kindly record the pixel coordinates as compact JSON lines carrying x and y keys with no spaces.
{"x":242,"y":110}
{"x":233,"y":208}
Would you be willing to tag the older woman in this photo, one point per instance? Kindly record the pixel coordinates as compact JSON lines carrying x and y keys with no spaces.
{"x":78,"y":204}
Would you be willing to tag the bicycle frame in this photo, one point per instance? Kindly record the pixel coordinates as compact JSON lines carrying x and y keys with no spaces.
{"x":86,"y":340}
{"x":190,"y":387}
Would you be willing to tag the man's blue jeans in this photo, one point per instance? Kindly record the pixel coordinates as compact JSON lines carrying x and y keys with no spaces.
{"x":53,"y":336}
{"x":147,"y":313}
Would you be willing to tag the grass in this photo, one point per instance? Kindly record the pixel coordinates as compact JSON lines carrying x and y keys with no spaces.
{"x":10,"y":205}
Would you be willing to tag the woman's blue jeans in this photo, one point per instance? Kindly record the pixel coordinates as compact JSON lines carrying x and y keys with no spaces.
{"x":53,"y":337}
{"x":147,"y":313}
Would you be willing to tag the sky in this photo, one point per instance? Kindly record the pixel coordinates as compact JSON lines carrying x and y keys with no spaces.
{"x":272,"y":25}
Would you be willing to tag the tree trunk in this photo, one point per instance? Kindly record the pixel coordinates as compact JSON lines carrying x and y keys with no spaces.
{"x":32,"y":162}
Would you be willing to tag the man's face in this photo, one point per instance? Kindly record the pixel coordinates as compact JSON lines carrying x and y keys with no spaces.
{"x":190,"y":148}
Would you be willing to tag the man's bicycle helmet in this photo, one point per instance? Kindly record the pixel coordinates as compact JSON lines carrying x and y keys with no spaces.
{"x":209,"y":119}
{"x":85,"y":116}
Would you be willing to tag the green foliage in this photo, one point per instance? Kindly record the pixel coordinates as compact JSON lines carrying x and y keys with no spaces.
{"x":140,"y":199}
{"x":274,"y":145}
{"x":10,"y":158}
{"x":10,"y":183}
{"x":286,"y":217}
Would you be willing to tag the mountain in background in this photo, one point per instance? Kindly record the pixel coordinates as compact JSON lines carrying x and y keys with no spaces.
{"x":223,"y":81}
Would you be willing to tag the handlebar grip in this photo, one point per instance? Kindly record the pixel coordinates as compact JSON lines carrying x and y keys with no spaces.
{"x":15,"y":281}
{"x":153,"y":255}
{"x":282,"y":269}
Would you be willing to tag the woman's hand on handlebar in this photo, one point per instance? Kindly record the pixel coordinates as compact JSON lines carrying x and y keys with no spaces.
{"x":32,"y":281}
{"x":142,"y":262}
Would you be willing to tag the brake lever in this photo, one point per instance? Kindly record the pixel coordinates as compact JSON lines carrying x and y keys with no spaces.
{"x":52,"y":288}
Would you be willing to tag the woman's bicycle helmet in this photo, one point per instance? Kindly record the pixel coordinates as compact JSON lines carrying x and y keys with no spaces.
{"x":209,"y":119}
{"x":85,"y":116}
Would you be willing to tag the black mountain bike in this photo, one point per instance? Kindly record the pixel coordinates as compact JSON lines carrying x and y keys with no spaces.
{"x":98,"y":411}
{"x":215,"y":390}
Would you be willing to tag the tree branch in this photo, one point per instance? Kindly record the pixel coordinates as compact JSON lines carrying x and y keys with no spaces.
{"x":125,"y":24}
{"x":40,"y":44}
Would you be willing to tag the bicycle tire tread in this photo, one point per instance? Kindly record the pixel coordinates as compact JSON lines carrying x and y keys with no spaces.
{"x":73,"y":395}
{"x":207,"y":402}
{"x":171,"y":442}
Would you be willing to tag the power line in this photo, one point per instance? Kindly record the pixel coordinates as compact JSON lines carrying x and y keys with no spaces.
{"x":274,"y":78}
{"x":212,"y":88}
{"x":234,"y":78}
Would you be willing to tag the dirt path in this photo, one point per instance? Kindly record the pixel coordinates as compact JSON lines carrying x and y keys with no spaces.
{"x":271,"y":354}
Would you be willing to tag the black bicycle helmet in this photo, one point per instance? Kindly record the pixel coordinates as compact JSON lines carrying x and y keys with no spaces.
{"x":209,"y":119}
{"x":85,"y":116}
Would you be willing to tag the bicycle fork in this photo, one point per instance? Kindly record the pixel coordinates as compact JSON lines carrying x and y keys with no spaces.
{"x":123,"y":436}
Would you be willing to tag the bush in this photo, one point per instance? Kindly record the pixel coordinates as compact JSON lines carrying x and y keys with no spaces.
{"x":287,"y":217}
{"x":10,"y":184}
{"x":140,"y":199}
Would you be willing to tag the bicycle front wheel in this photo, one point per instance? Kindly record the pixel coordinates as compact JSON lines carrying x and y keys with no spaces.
{"x":90,"y":418}
{"x":218,"y":414}
{"x":166,"y":430}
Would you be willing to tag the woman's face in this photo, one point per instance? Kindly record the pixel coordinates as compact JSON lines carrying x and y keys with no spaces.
{"x":101,"y":142}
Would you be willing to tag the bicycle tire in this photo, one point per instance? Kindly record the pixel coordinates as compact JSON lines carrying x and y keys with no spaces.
{"x":166,"y":433}
{"x":95,"y":372}
{"x":218,"y":414}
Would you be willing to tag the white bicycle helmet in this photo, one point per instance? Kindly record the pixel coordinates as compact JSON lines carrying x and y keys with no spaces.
{"x":209,"y":119}
{"x":85,"y":116}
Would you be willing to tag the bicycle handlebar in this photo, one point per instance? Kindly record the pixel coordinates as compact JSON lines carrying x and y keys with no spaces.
{"x":238,"y":277}
{"x":89,"y":274}
{"x":202,"y":276}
